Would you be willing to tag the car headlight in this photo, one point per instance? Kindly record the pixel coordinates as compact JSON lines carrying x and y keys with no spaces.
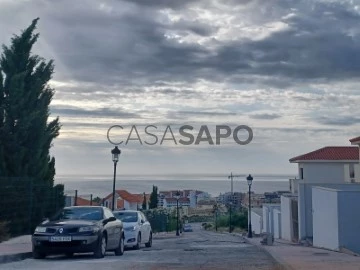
{"x":132,"y":228}
{"x":40,"y":229}
{"x":89,"y":229}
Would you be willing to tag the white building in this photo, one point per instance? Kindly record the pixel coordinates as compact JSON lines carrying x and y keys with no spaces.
{"x":172,"y":202}
{"x":323,"y":167}
{"x":256,"y":220}
{"x":167,"y":198}
{"x":272,"y":219}
{"x":338,"y":209}
{"x":289,"y":217}
{"x":126,"y":200}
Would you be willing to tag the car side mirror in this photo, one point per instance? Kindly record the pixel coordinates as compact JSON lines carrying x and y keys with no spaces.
{"x":110,"y":219}
{"x":142,"y":221}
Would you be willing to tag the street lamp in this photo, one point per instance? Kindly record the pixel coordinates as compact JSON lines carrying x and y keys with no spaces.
{"x":249,"y":181}
{"x":115,"y":157}
{"x":177,"y":196}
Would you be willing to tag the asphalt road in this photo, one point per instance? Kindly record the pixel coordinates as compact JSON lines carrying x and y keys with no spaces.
{"x":193,"y":250}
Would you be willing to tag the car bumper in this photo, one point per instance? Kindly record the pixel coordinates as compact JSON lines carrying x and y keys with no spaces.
{"x":78,"y":244}
{"x":130,"y":238}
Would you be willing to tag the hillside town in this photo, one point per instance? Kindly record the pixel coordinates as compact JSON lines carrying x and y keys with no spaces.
{"x":326,"y":176}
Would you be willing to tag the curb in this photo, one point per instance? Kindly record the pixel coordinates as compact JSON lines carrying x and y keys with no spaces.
{"x":15,"y":257}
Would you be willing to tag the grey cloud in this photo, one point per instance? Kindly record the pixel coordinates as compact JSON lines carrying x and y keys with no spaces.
{"x":338,"y":121}
{"x":174,"y":4}
{"x":187,"y":114}
{"x":127,"y":46}
{"x":104,"y":112}
{"x":265,"y":116}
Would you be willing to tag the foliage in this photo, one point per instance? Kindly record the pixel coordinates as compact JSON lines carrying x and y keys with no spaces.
{"x":4,"y":231}
{"x":97,"y":200}
{"x":162,"y":220}
{"x":154,"y":198}
{"x":238,"y":219}
{"x":26,"y":134}
{"x":207,"y":226}
{"x":144,"y":202}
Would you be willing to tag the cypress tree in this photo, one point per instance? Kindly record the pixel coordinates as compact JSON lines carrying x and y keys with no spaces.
{"x":25,"y":97}
{"x":154,"y":198}
{"x":26,"y":133}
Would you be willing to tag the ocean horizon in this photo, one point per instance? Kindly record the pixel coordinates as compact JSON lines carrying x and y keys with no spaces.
{"x":101,"y":185}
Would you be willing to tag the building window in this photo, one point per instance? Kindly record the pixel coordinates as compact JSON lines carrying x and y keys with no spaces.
{"x":352,"y":171}
{"x":301,"y":173}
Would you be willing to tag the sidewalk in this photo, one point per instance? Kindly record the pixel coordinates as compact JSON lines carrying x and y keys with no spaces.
{"x":15,"y":249}
{"x":294,"y":256}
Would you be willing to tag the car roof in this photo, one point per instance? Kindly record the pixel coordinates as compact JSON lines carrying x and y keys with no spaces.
{"x":85,"y":206}
{"x":126,"y":211}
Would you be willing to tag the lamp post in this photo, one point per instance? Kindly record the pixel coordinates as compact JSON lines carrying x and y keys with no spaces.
{"x":177,"y":196}
{"x":249,"y":181}
{"x":115,"y":157}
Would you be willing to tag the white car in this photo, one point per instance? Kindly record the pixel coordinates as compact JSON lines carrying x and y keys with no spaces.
{"x":136,"y":228}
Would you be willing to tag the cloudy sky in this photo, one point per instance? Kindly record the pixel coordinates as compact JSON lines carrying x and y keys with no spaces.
{"x":289,"y":69}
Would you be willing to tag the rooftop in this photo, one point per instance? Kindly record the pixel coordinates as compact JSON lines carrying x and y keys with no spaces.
{"x":355,"y":140}
{"x":330,"y":153}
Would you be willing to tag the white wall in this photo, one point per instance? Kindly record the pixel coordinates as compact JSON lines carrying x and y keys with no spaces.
{"x":323,"y":172}
{"x":357,"y":173}
{"x":265,"y":220}
{"x":305,"y":207}
{"x":305,"y":211}
{"x":127,"y":205}
{"x":256,"y":222}
{"x":277,"y":223}
{"x":349,"y":219}
{"x":286,"y":218}
{"x":325,"y":218}
{"x":268,"y":217}
{"x":193,"y":198}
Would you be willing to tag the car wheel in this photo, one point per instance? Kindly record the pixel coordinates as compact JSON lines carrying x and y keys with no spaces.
{"x":101,"y":247}
{"x":149,"y":244}
{"x":38,"y":255}
{"x":120,"y":249}
{"x":138,"y":242}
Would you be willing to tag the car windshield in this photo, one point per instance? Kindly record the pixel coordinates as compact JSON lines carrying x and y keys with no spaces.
{"x":82,"y":213}
{"x":126,"y":216}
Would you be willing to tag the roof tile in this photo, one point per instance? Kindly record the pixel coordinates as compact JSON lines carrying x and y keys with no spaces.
{"x":330,"y":153}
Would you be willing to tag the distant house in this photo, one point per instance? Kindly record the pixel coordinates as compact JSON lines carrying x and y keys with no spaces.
{"x":172,"y":202}
{"x":126,"y":200}
{"x":78,"y":201}
{"x":189,"y":198}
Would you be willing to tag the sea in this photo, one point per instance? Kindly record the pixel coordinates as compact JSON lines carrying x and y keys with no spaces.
{"x":101,"y":185}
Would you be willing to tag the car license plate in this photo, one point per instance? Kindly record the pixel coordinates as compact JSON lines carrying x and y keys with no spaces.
{"x":60,"y":239}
